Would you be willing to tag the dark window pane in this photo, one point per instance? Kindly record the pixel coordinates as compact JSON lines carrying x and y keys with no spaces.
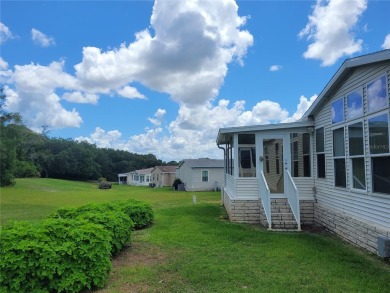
{"x":358,"y":173}
{"x":320,"y":140}
{"x":338,"y":142}
{"x":296,"y":169}
{"x":245,"y":159}
{"x":306,"y":166}
{"x":379,"y":134}
{"x":246,"y":139}
{"x":381,"y":174}
{"x":339,"y":173}
{"x":355,"y":133}
{"x":306,"y":143}
{"x":321,"y":165}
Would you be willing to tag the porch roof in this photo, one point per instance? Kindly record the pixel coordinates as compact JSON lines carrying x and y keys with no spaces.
{"x":224,"y":134}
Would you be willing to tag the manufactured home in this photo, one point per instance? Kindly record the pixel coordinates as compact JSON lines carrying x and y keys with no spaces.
{"x":331,"y":168}
{"x":201,"y":174}
{"x":163,"y":176}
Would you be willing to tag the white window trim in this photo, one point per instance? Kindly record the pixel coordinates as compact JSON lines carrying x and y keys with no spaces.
{"x":339,"y":157}
{"x":364,"y":156}
{"x":369,"y":155}
{"x":315,"y":153}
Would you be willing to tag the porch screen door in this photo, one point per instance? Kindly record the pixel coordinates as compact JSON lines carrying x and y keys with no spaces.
{"x":274,"y":164}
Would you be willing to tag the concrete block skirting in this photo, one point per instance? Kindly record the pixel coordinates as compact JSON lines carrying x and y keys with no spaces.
{"x":251,"y":211}
{"x":353,"y":230}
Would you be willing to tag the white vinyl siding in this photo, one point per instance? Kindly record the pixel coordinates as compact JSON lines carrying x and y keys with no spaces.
{"x":363,"y":204}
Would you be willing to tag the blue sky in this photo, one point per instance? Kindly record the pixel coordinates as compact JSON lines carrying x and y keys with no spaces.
{"x":162,"y":77}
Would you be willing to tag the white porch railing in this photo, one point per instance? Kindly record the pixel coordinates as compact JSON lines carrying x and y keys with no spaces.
{"x":230,"y":184}
{"x":292,"y":194}
{"x":265,"y":198}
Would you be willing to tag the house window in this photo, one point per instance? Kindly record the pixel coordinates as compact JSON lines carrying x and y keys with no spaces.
{"x":377,"y":94}
{"x":356,"y":155}
{"x":354,"y":105}
{"x":338,"y":111}
{"x":320,"y":150}
{"x":379,"y":151}
{"x":306,"y":154}
{"x":205,"y":176}
{"x":277,"y":161}
{"x":339,"y":157}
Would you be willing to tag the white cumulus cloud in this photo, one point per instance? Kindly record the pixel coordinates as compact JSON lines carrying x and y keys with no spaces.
{"x":130,"y":93}
{"x":208,"y":31}
{"x":41,"y":39}
{"x":5,"y":33}
{"x":275,"y":67}
{"x":386,"y":42}
{"x":193,"y":132}
{"x":35,"y":98}
{"x":330,"y":30}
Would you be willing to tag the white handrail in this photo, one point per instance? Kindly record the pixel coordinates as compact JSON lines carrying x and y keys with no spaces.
{"x":293,"y":198}
{"x":265,"y":198}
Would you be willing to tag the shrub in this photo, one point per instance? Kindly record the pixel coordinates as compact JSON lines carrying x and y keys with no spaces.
{"x":140,"y":212}
{"x":110,"y":216}
{"x":176,"y":183}
{"x":61,"y":255}
{"x":116,"y":223}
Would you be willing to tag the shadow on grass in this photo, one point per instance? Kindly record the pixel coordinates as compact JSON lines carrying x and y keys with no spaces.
{"x":205,"y":253}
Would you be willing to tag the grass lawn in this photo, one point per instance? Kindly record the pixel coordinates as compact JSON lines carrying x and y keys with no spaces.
{"x":193,"y":248}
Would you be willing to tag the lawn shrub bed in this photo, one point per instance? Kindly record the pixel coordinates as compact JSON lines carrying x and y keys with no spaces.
{"x":60,"y":255}
{"x":71,"y":250}
{"x":140,"y":212}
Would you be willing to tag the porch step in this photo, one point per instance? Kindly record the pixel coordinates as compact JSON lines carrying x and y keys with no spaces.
{"x":282,"y":217}
{"x":284,"y":225}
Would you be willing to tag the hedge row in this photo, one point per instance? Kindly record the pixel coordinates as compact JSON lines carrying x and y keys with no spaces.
{"x":71,"y":250}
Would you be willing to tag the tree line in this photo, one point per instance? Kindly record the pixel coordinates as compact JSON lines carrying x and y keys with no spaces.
{"x":25,"y":153}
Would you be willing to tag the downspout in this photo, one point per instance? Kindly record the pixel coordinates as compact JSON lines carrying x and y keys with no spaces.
{"x":224,"y":173}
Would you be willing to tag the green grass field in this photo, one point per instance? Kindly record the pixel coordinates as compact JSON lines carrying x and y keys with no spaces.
{"x":193,"y":248}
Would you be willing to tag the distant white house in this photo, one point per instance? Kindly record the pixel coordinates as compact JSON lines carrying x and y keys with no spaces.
{"x":331,"y":168}
{"x":138,"y":177}
{"x":163,"y":176}
{"x":201,"y":174}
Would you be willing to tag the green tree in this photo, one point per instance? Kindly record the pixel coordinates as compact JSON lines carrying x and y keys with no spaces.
{"x":7,"y":142}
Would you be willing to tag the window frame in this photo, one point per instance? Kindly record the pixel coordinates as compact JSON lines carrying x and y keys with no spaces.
{"x":202,"y":177}
{"x":339,"y":157}
{"x":370,"y":112}
{"x":359,"y":156}
{"x":322,"y":153}
{"x":371,"y":156}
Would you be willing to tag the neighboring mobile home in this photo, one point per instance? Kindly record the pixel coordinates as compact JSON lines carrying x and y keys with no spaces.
{"x":331,"y":168}
{"x":163,"y":176}
{"x":201,"y":174}
{"x":140,"y":177}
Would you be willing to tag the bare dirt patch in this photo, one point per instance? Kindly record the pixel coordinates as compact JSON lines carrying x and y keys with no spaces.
{"x":139,"y":253}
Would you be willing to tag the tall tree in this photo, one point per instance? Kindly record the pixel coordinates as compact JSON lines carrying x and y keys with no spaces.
{"x":7,"y":142}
